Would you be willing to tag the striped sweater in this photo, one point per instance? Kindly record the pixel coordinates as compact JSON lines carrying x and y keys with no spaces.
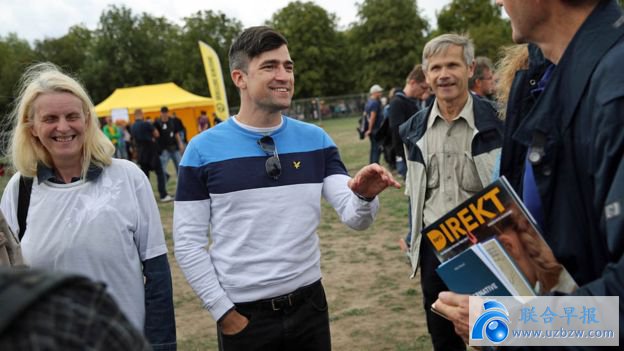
{"x":243,"y":236}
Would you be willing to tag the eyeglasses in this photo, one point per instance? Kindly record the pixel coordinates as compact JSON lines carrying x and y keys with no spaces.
{"x":272,"y":166}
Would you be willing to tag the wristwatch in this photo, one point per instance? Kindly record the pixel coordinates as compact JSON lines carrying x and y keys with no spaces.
{"x":362,"y":197}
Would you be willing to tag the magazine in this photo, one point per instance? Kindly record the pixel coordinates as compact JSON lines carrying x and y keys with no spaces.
{"x":495,"y":228}
{"x":472,"y":273}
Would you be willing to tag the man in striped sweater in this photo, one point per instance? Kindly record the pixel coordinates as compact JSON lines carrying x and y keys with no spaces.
{"x":251,"y":187}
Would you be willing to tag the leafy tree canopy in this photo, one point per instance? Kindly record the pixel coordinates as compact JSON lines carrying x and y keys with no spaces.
{"x":388,"y":41}
{"x":313,"y":45}
{"x":481,"y":20}
{"x":186,"y":65}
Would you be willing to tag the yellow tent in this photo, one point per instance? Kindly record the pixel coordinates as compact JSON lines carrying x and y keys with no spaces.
{"x":150,"y":98}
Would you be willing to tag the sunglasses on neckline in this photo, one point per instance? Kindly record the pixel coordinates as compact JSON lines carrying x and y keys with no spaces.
{"x":272,"y":165}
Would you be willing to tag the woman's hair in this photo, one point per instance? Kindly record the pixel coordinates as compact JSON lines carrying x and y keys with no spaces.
{"x":25,"y":149}
{"x":515,"y":58}
{"x":547,"y":268}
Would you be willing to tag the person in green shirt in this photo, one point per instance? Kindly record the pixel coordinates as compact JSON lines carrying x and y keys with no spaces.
{"x":113,"y":133}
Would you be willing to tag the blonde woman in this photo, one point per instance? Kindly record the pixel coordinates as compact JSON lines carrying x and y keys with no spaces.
{"x":88,"y":213}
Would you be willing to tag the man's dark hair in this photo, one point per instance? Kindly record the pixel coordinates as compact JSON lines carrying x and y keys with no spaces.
{"x":251,"y":43}
{"x":416,"y":74}
{"x":482,"y":64}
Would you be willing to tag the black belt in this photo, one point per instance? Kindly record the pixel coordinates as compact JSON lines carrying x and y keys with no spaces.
{"x":282,"y":302}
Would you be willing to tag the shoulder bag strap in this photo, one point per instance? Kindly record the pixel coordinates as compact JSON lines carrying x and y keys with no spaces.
{"x":25,"y":188}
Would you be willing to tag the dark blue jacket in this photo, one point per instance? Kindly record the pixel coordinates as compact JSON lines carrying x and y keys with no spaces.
{"x":401,"y":108}
{"x":486,"y":121}
{"x":577,"y":128}
{"x":520,"y":102}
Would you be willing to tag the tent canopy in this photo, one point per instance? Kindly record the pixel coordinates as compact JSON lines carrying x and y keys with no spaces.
{"x":151,"y":98}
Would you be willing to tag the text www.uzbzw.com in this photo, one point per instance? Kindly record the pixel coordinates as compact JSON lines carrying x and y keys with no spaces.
{"x":562,"y":333}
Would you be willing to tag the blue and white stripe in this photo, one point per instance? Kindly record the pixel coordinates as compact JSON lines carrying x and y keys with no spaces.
{"x":263,"y":240}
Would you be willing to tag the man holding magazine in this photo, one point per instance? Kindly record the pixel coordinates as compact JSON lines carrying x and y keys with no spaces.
{"x":573,"y":142}
{"x":451,"y":149}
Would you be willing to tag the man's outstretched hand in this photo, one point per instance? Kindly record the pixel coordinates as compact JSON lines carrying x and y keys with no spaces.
{"x":372,"y":180}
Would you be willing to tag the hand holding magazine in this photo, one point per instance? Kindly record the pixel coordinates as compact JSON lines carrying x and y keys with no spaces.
{"x":490,"y":245}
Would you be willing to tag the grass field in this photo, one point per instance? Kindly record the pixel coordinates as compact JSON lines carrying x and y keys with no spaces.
{"x":373,"y":305}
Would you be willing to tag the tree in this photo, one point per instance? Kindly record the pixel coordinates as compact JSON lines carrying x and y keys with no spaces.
{"x":15,"y":56}
{"x":390,"y":36}
{"x":459,"y":15}
{"x":186,"y":65}
{"x":128,"y":50}
{"x":69,"y":51}
{"x":314,"y":45}
{"x":350,"y":63}
{"x":481,"y":19}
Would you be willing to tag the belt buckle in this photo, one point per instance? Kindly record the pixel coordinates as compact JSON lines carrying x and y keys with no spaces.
{"x":277,"y":303}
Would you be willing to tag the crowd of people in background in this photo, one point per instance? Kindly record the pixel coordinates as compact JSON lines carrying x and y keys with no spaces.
{"x":152,"y":143}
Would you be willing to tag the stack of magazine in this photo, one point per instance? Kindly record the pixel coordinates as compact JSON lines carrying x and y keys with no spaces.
{"x":490,"y":246}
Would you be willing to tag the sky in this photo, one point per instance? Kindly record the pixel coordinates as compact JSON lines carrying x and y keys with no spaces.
{"x":39,"y":19}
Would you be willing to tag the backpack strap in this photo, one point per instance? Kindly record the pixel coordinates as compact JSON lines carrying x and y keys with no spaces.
{"x":20,"y":288}
{"x":23,"y":201}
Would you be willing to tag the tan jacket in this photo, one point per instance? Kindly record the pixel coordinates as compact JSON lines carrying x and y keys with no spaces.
{"x":486,"y":147}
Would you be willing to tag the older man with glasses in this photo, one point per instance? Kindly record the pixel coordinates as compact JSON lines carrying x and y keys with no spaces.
{"x":248,"y":206}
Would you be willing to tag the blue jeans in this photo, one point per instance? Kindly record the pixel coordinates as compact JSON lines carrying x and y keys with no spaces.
{"x":375,"y":151}
{"x":302,"y":326}
{"x":121,"y":151}
{"x":173,"y":155}
{"x":401,"y":168}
